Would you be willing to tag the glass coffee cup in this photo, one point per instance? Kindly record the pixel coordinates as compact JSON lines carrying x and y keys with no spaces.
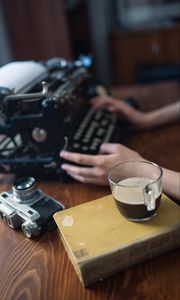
{"x":136,"y":188}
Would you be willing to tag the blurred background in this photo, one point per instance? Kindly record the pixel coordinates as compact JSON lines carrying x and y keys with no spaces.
{"x":132,"y":41}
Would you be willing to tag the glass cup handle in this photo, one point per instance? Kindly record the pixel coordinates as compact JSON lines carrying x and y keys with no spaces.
{"x":150,"y":200}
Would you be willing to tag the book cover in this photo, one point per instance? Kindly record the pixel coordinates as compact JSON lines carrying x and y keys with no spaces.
{"x":101,"y":242}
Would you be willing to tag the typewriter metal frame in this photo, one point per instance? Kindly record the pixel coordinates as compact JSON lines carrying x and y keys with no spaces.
{"x":35,"y":126}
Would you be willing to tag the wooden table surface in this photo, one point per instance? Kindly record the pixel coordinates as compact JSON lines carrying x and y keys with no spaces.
{"x":41,"y":269}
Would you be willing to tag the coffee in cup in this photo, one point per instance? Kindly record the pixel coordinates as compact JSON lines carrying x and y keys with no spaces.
{"x":137,"y":197}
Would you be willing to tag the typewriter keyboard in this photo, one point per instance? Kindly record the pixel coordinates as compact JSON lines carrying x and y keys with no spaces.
{"x":96,"y":128}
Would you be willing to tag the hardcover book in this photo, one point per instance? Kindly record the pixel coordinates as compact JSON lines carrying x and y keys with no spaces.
{"x":101,"y":242}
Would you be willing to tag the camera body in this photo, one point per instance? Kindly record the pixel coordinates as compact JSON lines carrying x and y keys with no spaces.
{"x":27,"y":207}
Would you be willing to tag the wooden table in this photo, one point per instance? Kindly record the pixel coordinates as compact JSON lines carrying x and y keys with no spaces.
{"x":41,"y":270}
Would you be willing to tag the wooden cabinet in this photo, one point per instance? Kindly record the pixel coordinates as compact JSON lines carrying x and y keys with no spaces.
{"x":37,"y":29}
{"x":130,"y":50}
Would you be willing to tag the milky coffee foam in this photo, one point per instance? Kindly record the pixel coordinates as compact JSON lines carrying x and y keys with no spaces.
{"x":134,"y":194}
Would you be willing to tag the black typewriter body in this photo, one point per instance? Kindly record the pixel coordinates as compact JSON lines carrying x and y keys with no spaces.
{"x":49,"y":113}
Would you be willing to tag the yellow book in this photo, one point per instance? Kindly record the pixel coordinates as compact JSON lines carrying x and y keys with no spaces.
{"x":100,"y":241}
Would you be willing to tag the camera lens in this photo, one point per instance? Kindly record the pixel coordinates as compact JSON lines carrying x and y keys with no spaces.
{"x":24,"y":189}
{"x":24,"y":183}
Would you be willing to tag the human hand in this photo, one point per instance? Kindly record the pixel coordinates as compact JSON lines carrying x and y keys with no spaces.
{"x":121,"y":108}
{"x":105,"y":102}
{"x":94,"y":168}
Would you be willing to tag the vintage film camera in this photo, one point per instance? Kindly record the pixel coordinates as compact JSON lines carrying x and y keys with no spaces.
{"x":28,"y":207}
{"x":44,"y":107}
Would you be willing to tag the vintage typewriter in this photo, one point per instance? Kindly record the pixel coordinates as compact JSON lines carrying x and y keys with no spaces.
{"x":44,"y":108}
